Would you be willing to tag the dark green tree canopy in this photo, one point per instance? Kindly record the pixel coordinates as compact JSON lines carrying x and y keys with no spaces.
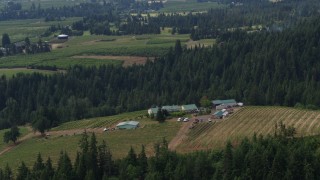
{"x":11,"y":135}
{"x":5,"y":40}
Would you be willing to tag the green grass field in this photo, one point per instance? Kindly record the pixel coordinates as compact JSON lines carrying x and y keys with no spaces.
{"x":119,"y":141}
{"x":100,"y":121}
{"x":246,"y":122}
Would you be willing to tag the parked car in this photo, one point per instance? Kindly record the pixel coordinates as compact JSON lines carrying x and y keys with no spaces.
{"x":186,"y":120}
{"x":179,"y":119}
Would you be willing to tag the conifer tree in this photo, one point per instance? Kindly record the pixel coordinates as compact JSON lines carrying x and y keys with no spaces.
{"x":23,"y":172}
{"x":38,"y":167}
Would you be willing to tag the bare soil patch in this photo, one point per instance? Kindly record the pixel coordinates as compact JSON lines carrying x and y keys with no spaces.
{"x":181,"y":135}
{"x":58,"y":46}
{"x":127,"y":60}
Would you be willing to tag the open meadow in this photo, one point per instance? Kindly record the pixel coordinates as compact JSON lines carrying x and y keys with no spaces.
{"x":246,"y":122}
{"x":67,"y":136}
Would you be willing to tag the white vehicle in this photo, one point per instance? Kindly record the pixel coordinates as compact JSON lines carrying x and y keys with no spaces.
{"x":105,"y":129}
{"x":185,"y":120}
{"x":179,"y":119}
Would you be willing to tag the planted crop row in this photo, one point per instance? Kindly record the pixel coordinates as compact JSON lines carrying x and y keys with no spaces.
{"x":250,"y":120}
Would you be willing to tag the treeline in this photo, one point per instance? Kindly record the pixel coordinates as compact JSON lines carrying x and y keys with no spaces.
{"x":13,"y":10}
{"x":273,"y":157}
{"x":23,"y":47}
{"x":270,"y":16}
{"x":100,"y":24}
{"x":279,"y":68}
{"x":53,"y":13}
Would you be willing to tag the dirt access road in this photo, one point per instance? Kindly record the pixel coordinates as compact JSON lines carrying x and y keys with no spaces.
{"x":184,"y":130}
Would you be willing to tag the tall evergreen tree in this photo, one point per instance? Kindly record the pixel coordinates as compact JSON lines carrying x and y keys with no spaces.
{"x":5,"y":40}
{"x":23,"y":172}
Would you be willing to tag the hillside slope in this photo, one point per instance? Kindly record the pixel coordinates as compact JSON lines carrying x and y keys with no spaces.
{"x":246,"y":122}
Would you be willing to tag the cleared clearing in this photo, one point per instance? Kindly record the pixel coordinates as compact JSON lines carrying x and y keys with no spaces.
{"x":127,"y":60}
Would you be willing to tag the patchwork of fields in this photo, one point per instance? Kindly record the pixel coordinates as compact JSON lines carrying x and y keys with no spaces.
{"x":144,"y":46}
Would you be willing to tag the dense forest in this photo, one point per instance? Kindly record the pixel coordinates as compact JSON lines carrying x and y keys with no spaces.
{"x":280,"y":156}
{"x":278,"y":68}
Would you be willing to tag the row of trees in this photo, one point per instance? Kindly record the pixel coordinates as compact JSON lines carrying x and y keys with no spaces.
{"x":273,"y":157}
{"x":231,"y":69}
{"x":14,"y":10}
{"x":9,"y":48}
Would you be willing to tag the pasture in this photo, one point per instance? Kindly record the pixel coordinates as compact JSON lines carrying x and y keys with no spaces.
{"x":63,"y":138}
{"x":246,"y":122}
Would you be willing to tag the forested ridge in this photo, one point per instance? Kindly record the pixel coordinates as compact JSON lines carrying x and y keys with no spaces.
{"x":278,"y":68}
{"x":281,"y":156}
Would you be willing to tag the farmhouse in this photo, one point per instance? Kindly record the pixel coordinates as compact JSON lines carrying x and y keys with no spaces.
{"x":128,"y":125}
{"x":63,"y":36}
{"x":190,"y":108}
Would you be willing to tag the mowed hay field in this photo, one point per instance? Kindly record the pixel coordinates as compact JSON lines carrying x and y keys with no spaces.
{"x":119,"y":141}
{"x":247,"y":121}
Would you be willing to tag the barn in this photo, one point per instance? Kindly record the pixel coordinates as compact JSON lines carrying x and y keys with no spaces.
{"x":128,"y":125}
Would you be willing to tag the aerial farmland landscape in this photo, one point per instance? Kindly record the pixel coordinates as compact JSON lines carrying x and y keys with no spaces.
{"x":159,"y":89}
